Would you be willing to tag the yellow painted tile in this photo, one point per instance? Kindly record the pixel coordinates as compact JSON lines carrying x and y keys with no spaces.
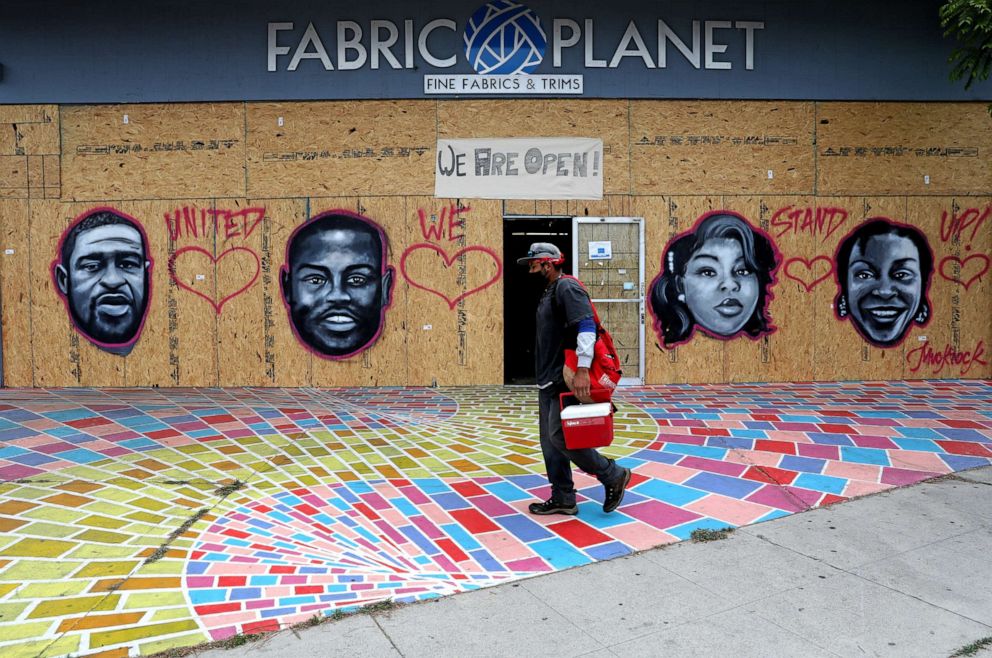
{"x":99,"y":621}
{"x":98,"y":521}
{"x":79,"y":486}
{"x":49,"y":529}
{"x":15,"y":507}
{"x":154,"y":600}
{"x":51,"y":590}
{"x":187,"y":640}
{"x":24,"y":631}
{"x":9,"y":525}
{"x":10,"y":611}
{"x":7,"y":588}
{"x":102,"y":639}
{"x":73,"y":606}
{"x":103,"y":552}
{"x":102,"y":536}
{"x":38,"y":548}
{"x":120,"y":652}
{"x":170,"y":613}
{"x":67,"y":500}
{"x":30,"y":570}
{"x":164,"y":567}
{"x":61,"y":647}
{"x":109,"y":509}
{"x":103,"y":569}
{"x":146,"y":517}
{"x":136,"y":583}
{"x":149,"y":504}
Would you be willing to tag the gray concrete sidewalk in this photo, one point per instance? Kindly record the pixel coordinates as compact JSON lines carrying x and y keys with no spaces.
{"x":904,"y":573}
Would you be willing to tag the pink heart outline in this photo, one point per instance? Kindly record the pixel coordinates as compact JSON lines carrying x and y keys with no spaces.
{"x":218,"y":306}
{"x":961,"y":262}
{"x":808,"y":264}
{"x":447,"y":263}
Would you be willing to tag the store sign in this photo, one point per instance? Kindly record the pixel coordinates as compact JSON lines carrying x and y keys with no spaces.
{"x":519,"y":168}
{"x":505,"y":43}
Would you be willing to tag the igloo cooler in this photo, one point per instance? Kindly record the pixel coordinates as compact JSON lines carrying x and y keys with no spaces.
{"x":586,"y":425}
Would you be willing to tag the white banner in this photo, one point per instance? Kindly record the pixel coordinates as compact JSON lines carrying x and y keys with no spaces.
{"x":519,"y":168}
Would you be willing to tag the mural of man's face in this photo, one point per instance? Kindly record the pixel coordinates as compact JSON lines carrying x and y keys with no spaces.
{"x":336,"y":290}
{"x":104,"y":281}
{"x":721,"y":291}
{"x":884,"y":286}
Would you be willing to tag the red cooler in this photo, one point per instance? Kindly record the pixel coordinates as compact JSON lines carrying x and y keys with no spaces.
{"x":587,"y":425}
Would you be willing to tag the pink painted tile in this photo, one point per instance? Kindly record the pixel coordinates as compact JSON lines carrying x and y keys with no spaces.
{"x":504,"y":546}
{"x":850,"y":471}
{"x":757,"y":457}
{"x":920,"y":461}
{"x":731,"y":510}
{"x":856,"y":488}
{"x":667,"y":472}
{"x":794,"y":437}
{"x":818,"y":451}
{"x":640,"y":536}
{"x":778,"y":497}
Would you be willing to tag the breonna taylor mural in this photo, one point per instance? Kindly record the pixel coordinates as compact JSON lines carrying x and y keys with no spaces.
{"x":336,"y":284}
{"x":717,"y":277}
{"x":103,"y":274}
{"x":883,"y":277}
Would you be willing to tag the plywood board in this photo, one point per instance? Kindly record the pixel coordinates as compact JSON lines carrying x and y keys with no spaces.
{"x":154,"y":361}
{"x":700,"y":359}
{"x":891,"y":148}
{"x":382,"y":363}
{"x":841,"y":353}
{"x":21,"y":114}
{"x":958,"y":230}
{"x":341,"y":148}
{"x":38,"y":138}
{"x":286,"y":362}
{"x":603,"y":119}
{"x":721,"y":147}
{"x":57,"y":346}
{"x":455,"y":334}
{"x":786,"y":354}
{"x":15,"y":292}
{"x":176,"y":151}
{"x":13,"y":177}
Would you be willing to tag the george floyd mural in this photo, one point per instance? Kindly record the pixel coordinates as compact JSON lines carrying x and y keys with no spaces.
{"x":103,"y":274}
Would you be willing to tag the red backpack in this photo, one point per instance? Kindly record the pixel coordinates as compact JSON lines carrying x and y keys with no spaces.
{"x":604,"y":371}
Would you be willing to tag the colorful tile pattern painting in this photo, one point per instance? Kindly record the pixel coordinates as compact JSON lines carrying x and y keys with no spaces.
{"x":138,"y":520}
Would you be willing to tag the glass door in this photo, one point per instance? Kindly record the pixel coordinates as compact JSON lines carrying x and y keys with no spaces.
{"x":608,"y":257}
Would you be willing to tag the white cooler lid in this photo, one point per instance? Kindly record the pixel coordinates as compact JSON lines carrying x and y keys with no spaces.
{"x":595,"y":410}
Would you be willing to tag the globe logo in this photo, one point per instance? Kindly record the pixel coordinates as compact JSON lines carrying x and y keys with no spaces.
{"x":504,"y":38}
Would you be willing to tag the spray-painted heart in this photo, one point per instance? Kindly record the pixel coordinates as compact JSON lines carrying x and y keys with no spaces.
{"x":807,"y":274}
{"x":434,"y":251}
{"x":194,"y":253}
{"x":981,"y":263}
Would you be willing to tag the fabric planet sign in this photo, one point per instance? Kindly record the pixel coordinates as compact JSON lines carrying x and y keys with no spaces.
{"x":524,"y":168}
{"x":505,"y":43}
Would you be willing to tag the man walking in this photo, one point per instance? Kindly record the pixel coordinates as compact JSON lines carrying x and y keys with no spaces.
{"x":565,"y":321}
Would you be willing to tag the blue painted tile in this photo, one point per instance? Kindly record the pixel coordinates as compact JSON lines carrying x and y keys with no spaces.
{"x":919,"y":445}
{"x":608,"y":551}
{"x":823,"y":483}
{"x":450,"y":501}
{"x":722,"y":484}
{"x":669,"y":492}
{"x":81,"y":456}
{"x":696,"y":451}
{"x":964,"y":435}
{"x":559,"y":553}
{"x":962,"y":462}
{"x":864,"y":456}
{"x":506,"y":492}
{"x":803,"y":464}
{"x":825,"y":439}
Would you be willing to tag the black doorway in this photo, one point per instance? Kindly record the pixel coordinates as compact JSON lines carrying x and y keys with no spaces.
{"x":521,"y":291}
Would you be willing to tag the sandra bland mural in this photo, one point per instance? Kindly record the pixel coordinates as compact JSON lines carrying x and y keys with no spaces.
{"x":883,"y":273}
{"x":716,"y":277}
{"x":103,"y":274}
{"x":336,"y":284}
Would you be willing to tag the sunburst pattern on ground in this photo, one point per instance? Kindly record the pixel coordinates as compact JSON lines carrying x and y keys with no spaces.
{"x":137,"y":520}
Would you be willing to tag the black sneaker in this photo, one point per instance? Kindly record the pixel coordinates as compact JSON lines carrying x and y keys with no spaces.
{"x":614,"y":492}
{"x":552,"y":506}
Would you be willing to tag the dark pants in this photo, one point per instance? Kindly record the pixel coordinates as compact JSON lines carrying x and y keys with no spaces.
{"x":557,"y":456}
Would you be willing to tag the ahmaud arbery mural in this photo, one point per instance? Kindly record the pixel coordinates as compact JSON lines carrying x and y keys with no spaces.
{"x":883,"y":278}
{"x":103,"y":274}
{"x":336,"y":284}
{"x":717,"y":277}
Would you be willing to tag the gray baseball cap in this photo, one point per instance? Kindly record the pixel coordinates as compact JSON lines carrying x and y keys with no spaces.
{"x":540,"y":250}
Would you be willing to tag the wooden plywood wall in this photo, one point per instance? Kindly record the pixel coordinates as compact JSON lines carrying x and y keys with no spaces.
{"x":218,"y":189}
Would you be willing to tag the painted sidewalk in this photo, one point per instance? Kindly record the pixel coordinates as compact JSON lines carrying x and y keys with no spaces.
{"x":139,"y":520}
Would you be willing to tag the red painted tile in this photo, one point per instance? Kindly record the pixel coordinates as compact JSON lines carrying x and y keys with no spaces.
{"x":578,"y":533}
{"x":231,"y":581}
{"x":88,"y":422}
{"x":831,"y":428}
{"x":451,"y":549}
{"x":308,"y":589}
{"x":473,"y":520}
{"x":217,"y":608}
{"x":162,"y":434}
{"x":965,"y":448}
{"x":770,"y":474}
{"x":764,"y":416}
{"x":468,"y":488}
{"x":219,"y":418}
{"x":830,"y":499}
{"x":278,"y":569}
{"x":836,"y":413}
{"x":963,"y":424}
{"x":263,"y":626}
{"x":783,"y":447}
{"x":710,"y":431}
